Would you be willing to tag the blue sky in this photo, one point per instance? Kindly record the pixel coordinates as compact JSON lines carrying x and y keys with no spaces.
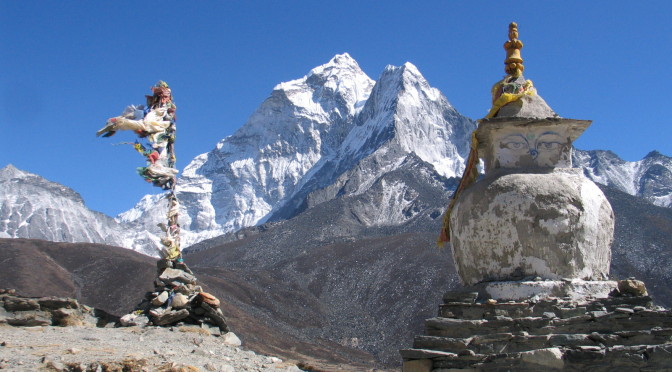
{"x":66,"y":66}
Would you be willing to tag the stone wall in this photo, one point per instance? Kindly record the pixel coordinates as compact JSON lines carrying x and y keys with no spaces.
{"x":622,"y":332}
{"x":20,"y":311}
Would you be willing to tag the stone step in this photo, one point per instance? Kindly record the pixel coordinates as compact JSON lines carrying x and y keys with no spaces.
{"x":498,"y":343}
{"x":448,"y":344}
{"x":560,"y":309}
{"x":484,"y":311}
{"x":454,"y":361}
{"x":612,"y":322}
{"x":546,"y":360}
{"x":647,"y":358}
{"x":462,"y":328}
{"x":654,"y":336}
{"x":596,"y":321}
{"x":425,"y":354}
{"x":612,"y":303}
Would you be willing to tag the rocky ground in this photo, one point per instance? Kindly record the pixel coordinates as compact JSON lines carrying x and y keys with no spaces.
{"x":114,"y":280}
{"x":127,"y":349}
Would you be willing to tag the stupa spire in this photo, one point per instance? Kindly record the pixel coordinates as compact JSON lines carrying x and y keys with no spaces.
{"x":513,"y":64}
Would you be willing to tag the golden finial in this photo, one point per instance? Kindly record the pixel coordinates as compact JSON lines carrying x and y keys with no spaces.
{"x":514,"y":62}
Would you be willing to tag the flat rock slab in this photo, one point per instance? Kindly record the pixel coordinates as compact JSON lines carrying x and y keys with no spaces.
{"x":175,"y":275}
{"x":170,"y":317}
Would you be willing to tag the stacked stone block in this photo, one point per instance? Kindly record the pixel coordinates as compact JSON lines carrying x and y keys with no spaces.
{"x":623,"y":332}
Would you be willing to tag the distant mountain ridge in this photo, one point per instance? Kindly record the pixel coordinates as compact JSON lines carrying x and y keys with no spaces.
{"x":649,"y":178}
{"x":31,"y":206}
{"x":332,"y":133}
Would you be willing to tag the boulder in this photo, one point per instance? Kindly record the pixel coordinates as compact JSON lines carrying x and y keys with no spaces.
{"x":231,"y":339}
{"x":169,"y":317}
{"x":632,"y":287}
{"x":71,"y":317}
{"x":52,"y":303}
{"x":30,"y":318}
{"x":133,"y":320}
{"x":547,"y":359}
{"x":12,"y":303}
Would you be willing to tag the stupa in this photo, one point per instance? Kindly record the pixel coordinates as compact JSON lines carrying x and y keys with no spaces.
{"x":532,"y":215}
{"x":531,"y":241}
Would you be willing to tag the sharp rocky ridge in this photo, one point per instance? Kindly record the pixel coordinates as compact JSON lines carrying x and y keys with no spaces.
{"x":306,"y":136}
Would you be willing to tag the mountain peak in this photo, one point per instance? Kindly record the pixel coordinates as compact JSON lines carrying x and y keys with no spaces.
{"x":410,"y":68}
{"x":11,"y":171}
{"x":343,"y":59}
{"x":654,"y":154}
{"x":407,"y":69}
{"x":340,"y":67}
{"x":407,"y":80}
{"x":336,"y":66}
{"x":339,"y":80}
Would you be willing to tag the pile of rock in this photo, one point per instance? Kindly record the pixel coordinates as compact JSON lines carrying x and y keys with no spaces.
{"x":621,"y":332}
{"x":21,"y":311}
{"x":177,"y":300}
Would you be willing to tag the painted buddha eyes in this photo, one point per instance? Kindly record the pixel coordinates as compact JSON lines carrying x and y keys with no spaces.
{"x":530,"y":148}
{"x":515,"y":145}
{"x":547,"y":141}
{"x":547,"y":145}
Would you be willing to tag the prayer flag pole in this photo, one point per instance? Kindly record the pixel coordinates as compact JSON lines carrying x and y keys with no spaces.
{"x":155,"y":122}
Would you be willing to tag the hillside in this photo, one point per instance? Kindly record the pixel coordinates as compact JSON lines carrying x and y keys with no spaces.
{"x":114,"y":279}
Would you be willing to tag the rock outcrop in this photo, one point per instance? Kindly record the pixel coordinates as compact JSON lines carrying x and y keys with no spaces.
{"x":21,"y":311}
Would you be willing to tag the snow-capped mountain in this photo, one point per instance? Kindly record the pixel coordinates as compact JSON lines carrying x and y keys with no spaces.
{"x":32,"y":207}
{"x":333,"y":133}
{"x":306,"y":135}
{"x":402,"y":116}
{"x":649,"y":178}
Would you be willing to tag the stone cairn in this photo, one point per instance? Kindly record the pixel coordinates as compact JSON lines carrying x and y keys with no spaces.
{"x":531,"y":241}
{"x":177,"y":300}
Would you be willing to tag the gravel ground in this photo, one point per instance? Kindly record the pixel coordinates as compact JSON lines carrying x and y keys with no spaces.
{"x":127,"y":349}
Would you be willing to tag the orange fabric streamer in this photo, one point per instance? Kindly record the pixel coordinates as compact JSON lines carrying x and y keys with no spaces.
{"x":468,"y":178}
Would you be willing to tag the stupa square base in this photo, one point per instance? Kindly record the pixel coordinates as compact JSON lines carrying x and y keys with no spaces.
{"x":572,"y":289}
